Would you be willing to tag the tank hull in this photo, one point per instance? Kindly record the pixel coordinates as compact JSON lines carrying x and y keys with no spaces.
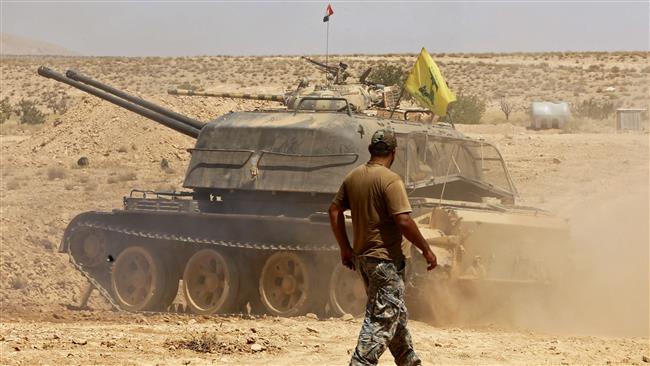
{"x":288,"y":266}
{"x":171,"y":239}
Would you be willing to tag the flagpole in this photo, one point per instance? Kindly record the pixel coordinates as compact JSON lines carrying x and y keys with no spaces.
{"x":327,"y":49}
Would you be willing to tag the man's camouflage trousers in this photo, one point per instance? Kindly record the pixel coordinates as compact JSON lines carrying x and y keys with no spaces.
{"x":385,"y":321}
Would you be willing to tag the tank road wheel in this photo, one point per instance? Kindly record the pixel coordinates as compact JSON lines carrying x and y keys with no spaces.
{"x":210,"y":283}
{"x":89,"y":249}
{"x":286,"y":287}
{"x":347,"y":292}
{"x":137,"y":280}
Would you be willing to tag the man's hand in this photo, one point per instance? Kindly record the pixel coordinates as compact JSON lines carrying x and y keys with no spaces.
{"x":431,"y":259}
{"x":337,"y":220}
{"x":410,"y":230}
{"x":347,"y":258}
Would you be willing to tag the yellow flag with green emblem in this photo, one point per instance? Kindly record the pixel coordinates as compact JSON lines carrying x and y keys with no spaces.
{"x":426,"y":85}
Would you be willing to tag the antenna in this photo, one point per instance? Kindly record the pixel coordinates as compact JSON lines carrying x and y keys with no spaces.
{"x":327,"y":49}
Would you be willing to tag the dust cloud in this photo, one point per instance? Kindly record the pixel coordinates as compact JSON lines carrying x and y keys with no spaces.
{"x":602,"y":283}
{"x":600,"y":278}
{"x":609,"y":290}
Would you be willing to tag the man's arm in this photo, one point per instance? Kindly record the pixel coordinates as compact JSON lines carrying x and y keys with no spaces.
{"x":410,"y":230}
{"x":337,"y":221}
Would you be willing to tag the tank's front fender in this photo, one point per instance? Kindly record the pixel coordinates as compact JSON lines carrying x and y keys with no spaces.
{"x":63,"y":247}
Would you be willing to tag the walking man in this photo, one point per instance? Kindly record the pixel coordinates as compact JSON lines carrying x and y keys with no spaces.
{"x":380,"y":209}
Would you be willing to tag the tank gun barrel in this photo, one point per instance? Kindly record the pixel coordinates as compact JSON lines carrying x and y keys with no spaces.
{"x":163,"y":119}
{"x":74,"y":75}
{"x":270,"y":97}
{"x":328,"y":69}
{"x":338,"y":73}
{"x":319,"y":64}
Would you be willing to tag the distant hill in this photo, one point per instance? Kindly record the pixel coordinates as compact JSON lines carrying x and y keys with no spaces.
{"x":15,"y":45}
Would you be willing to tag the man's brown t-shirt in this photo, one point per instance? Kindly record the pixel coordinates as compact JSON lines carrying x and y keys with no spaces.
{"x":374,"y":194}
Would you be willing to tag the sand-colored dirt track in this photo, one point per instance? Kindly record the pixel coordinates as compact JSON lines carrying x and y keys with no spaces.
{"x":101,"y":338}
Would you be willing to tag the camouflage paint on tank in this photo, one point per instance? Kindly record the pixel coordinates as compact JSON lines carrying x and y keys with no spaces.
{"x":299,"y":151}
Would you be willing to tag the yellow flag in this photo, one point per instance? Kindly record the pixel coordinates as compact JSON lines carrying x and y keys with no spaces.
{"x":426,"y":85}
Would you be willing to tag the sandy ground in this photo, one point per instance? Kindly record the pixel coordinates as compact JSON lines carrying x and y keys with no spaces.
{"x":599,"y":181}
{"x":36,"y":328}
{"x":91,"y":338}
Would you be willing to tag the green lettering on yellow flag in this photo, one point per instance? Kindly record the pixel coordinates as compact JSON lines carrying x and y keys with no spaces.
{"x":427,"y":86}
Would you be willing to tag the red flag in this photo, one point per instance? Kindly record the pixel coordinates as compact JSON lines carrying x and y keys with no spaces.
{"x":329,"y":11}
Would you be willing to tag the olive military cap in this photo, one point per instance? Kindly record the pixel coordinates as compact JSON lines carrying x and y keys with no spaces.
{"x":383,"y":141}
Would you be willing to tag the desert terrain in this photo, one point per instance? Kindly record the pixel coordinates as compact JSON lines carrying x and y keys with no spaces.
{"x":590,"y":174}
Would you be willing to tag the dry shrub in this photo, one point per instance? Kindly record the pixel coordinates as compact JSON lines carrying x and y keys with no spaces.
{"x":5,"y":109}
{"x":387,"y":74}
{"x":166,"y":188}
{"x":204,"y":343}
{"x":578,"y":124}
{"x":594,"y":109}
{"x":127,"y":176}
{"x":56,"y":172}
{"x":29,"y":113}
{"x":212,"y":343}
{"x":90,"y":187}
{"x":68,"y":186}
{"x":188,"y":86}
{"x":467,"y":109}
{"x":19,"y":282}
{"x":122,"y":177}
{"x":13,"y":184}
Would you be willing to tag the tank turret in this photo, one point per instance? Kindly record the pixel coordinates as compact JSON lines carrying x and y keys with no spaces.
{"x":361,"y":96}
{"x":381,"y":96}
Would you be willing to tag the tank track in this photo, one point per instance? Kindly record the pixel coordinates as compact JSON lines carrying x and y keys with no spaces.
{"x":119,"y":229}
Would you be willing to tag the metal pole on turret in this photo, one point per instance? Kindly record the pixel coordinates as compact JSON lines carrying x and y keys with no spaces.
{"x":327,"y":50}
{"x":327,"y":45}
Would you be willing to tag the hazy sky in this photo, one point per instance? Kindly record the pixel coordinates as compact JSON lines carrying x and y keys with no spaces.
{"x":171,"y":28}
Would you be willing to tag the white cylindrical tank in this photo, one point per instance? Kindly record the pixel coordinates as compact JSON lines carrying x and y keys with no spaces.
{"x":549,"y":115}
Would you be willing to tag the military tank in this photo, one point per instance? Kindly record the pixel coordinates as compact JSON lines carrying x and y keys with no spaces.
{"x":251,"y":229}
{"x":319,"y":97}
{"x":363,"y":96}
